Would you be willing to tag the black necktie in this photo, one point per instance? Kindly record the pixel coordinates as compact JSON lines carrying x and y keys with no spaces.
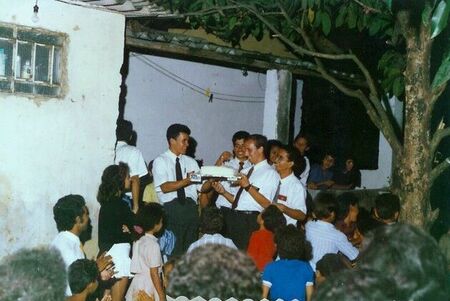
{"x":277,"y":193}
{"x":180,"y":192}
{"x":238,"y":194}
{"x":241,"y":166}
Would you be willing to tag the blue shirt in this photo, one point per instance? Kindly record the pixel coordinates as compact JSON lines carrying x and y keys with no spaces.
{"x":287,"y":279}
{"x":317,"y":174}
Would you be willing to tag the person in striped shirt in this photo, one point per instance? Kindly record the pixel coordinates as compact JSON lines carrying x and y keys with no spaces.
{"x":211,"y":223}
{"x":323,"y":235}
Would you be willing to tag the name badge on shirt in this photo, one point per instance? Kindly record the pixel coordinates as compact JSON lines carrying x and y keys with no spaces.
{"x":282,"y":198}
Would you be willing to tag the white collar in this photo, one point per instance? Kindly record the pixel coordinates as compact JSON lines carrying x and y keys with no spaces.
{"x":72,"y":237}
{"x":286,"y":179}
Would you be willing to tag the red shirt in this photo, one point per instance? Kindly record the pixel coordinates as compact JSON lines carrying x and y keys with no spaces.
{"x":261,"y":248}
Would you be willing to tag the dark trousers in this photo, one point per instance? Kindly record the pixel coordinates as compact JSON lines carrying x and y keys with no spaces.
{"x":183,"y":221}
{"x":239,"y":226}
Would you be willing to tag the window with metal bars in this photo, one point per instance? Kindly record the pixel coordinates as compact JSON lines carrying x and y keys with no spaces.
{"x":31,"y":60}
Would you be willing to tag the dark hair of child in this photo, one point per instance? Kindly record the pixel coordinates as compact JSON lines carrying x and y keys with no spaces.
{"x":82,"y":272}
{"x":273,"y":218}
{"x":324,"y":205}
{"x":150,"y":215}
{"x":292,"y":244}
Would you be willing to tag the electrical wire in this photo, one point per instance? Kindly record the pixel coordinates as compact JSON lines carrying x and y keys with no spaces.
{"x":195,"y":87}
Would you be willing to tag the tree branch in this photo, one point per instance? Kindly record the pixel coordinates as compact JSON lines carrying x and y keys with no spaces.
{"x":439,"y":169}
{"x":438,"y":136}
{"x":435,"y":93}
{"x":367,"y":9}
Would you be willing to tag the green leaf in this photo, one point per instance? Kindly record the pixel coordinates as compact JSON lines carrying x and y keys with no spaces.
{"x":317,"y":19}
{"x":232,"y":22}
{"x":351,"y":19}
{"x":388,"y":4}
{"x":398,"y":86}
{"x":326,"y":23}
{"x":374,"y":27}
{"x":443,"y":73}
{"x":341,"y":17}
{"x":440,"y":17}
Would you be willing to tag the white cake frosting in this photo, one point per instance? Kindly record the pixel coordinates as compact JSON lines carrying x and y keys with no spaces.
{"x":217,"y":171}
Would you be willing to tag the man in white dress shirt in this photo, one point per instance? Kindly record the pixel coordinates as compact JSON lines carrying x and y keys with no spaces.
{"x":132,"y":156}
{"x":323,"y":235}
{"x":238,"y":162}
{"x":211,"y":223}
{"x":258,"y":187}
{"x":171,"y":171}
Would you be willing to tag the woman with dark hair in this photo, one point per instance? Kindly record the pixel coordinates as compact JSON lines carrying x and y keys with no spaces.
{"x":349,"y":177}
{"x":272,"y":150}
{"x":115,"y":218}
{"x":291,"y":194}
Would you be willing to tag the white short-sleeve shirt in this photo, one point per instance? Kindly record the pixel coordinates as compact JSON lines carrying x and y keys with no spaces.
{"x":69,"y":246}
{"x":216,"y":239}
{"x":265,"y":179}
{"x":304,"y":176}
{"x":293,"y":195}
{"x":164,"y":171}
{"x":233,"y":163}
{"x":132,"y":156}
{"x":325,"y":238}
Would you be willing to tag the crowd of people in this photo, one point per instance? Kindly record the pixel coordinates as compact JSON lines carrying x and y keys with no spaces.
{"x":258,"y":237}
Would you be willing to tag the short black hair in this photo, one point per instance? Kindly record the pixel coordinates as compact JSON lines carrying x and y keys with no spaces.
{"x":81,"y":273}
{"x":387,"y":204}
{"x":174,"y":130}
{"x":66,"y":210}
{"x":324,"y":205}
{"x":331,"y":263}
{"x":150,"y":215}
{"x":36,"y":274}
{"x":344,"y":201}
{"x":211,"y":220}
{"x":366,"y":222}
{"x":240,"y":135}
{"x":292,"y":243}
{"x":124,"y":130}
{"x":271,"y":143}
{"x":295,"y":156}
{"x":273,"y":218}
{"x":259,"y":141}
{"x":215,"y":271}
{"x":304,"y":136}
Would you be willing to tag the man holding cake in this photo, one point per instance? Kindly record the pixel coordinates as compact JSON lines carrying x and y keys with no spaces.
{"x":258,"y":185}
{"x":239,"y":162}
{"x":171,"y":176}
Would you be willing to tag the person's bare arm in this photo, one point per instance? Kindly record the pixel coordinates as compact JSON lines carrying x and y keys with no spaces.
{"x":265,"y":292}
{"x":135,"y":186}
{"x":154,"y":275}
{"x":294,"y":213}
{"x":256,"y":195}
{"x":170,"y":186}
{"x":225,"y":156}
{"x":220,"y":190}
{"x":309,"y":292}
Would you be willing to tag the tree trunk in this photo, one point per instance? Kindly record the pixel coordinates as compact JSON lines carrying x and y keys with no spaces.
{"x":414,"y":163}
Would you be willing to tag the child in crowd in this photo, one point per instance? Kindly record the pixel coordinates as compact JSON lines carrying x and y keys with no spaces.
{"x":261,"y":247}
{"x":330,"y":264}
{"x":291,"y":277}
{"x":347,"y":214}
{"x":323,"y":235}
{"x":83,"y":275}
{"x":146,"y":263}
{"x":387,"y":208}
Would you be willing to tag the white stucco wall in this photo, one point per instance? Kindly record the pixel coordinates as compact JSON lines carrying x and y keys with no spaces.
{"x":155,"y":101}
{"x":59,"y":146}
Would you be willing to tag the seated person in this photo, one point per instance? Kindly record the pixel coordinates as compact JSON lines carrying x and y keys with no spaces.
{"x":261,"y":247}
{"x":321,"y":176}
{"x":215,"y":271}
{"x":291,"y":277}
{"x":347,"y":178}
{"x":83,"y":274}
{"x":387,"y":208}
{"x":323,"y":235}
{"x":211,"y":223}
{"x":330,"y":264}
{"x":347,"y":214}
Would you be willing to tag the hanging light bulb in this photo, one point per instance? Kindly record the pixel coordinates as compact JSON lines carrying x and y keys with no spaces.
{"x":35,"y":17}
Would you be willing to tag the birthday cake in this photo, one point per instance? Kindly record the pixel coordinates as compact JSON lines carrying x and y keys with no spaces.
{"x":220,"y":173}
